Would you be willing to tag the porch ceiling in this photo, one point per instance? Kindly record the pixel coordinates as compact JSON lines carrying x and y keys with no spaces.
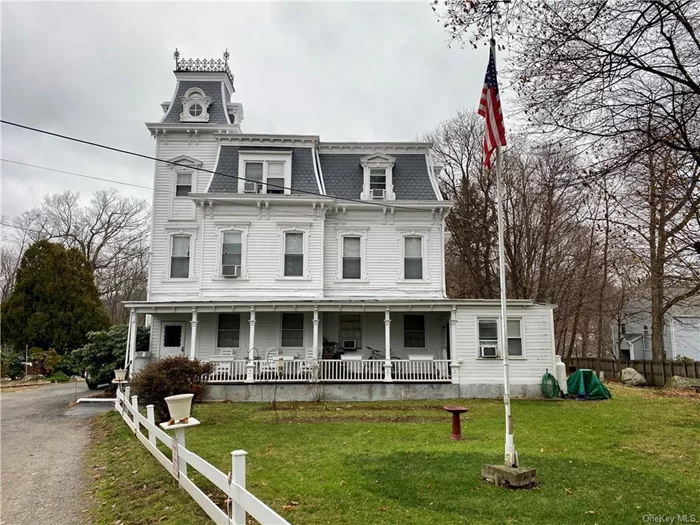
{"x":323,"y":305}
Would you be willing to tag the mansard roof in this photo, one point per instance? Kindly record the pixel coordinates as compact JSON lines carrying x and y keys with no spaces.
{"x":211,"y":89}
{"x":303,"y":174}
{"x":339,"y":168}
{"x":343,"y":175}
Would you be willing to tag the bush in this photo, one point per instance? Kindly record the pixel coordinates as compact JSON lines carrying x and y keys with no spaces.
{"x":11,"y":364}
{"x":58,"y":377}
{"x":168,"y":377}
{"x":106,"y":351}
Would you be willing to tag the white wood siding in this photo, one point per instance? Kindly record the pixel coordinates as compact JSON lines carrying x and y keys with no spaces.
{"x":382,"y":252}
{"x":263,"y":257}
{"x":537,"y":346}
{"x":383,"y":255}
{"x":171,"y":214}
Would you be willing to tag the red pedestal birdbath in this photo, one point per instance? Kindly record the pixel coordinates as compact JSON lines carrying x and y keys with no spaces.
{"x":456,"y":424}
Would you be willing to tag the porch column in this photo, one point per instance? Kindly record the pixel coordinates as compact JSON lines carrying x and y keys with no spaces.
{"x":250,"y":366}
{"x":387,"y":345}
{"x":315,"y":338}
{"x":454,"y":362}
{"x":131,"y":347}
{"x":193,"y":339}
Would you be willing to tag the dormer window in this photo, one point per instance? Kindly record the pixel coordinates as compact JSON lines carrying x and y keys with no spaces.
{"x":378,"y":171}
{"x":195,"y":106}
{"x":265,"y":172}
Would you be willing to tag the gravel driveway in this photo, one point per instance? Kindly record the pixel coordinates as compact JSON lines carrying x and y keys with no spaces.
{"x":42,"y":446}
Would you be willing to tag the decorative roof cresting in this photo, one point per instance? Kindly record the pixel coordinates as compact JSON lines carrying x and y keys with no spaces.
{"x":203,"y":65}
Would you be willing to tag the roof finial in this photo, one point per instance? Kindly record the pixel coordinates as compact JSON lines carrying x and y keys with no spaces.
{"x":176,"y":56}
{"x":226,"y":55}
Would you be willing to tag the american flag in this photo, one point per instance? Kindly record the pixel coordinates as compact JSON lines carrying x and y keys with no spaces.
{"x":490,"y":109}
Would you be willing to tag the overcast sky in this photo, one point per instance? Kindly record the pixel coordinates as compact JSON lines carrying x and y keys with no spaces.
{"x":98,"y":71}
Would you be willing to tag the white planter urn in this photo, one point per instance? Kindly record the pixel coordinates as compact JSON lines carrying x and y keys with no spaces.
{"x":179,"y":407}
{"x":120,"y":375}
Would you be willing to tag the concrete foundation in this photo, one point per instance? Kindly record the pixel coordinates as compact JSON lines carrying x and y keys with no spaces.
{"x":500,"y":475}
{"x":266,"y":392}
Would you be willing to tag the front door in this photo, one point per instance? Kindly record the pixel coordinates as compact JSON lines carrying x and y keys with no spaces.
{"x":173,"y":339}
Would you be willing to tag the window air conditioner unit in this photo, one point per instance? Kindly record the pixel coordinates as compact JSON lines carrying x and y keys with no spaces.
{"x":230,"y":271}
{"x":250,"y":187}
{"x":378,"y":193}
{"x":488,"y":351}
{"x":350,"y":344}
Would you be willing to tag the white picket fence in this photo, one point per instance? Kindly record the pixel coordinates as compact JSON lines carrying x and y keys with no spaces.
{"x":233,"y":485}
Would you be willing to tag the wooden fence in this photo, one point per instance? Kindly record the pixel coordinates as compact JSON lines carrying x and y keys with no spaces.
{"x":233,"y":485}
{"x":655,"y":372}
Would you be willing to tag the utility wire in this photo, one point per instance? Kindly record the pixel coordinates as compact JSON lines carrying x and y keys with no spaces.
{"x":148,"y":157}
{"x":76,"y":174}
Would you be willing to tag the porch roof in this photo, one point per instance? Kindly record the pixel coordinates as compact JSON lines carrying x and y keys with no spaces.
{"x":323,"y":305}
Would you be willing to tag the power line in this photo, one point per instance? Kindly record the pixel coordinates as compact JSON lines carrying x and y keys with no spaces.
{"x":172,"y":163}
{"x":76,"y":174}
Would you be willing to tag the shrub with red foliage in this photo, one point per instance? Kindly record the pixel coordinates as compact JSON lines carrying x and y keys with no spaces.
{"x":168,"y":377}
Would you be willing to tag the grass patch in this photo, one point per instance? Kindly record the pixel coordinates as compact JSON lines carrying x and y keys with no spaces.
{"x":609,"y":462}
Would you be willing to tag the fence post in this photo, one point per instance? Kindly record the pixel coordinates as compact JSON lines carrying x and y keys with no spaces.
{"x":116,"y":400}
{"x":182,"y":464}
{"x":135,"y":404}
{"x":663,"y":371}
{"x":150,"y":415}
{"x":237,"y":477}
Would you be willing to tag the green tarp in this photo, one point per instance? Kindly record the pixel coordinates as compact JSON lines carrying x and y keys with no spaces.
{"x":584,"y":384}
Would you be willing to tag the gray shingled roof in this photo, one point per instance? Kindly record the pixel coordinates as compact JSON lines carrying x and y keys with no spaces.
{"x":212,"y":89}
{"x":343,"y":176}
{"x":303,"y":175}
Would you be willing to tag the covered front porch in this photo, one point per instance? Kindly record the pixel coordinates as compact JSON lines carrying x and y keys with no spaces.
{"x":307,"y":341}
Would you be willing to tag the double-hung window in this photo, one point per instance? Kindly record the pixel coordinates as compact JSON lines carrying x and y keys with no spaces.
{"x":292,"y":330}
{"x":180,"y":257}
{"x":414,"y":331}
{"x":269,"y":174}
{"x":515,"y":338}
{"x":413,"y":257}
{"x":183,"y":184}
{"x":229,"y":331}
{"x":254,"y":176}
{"x":489,"y":333}
{"x":231,"y":250}
{"x":275,"y":178}
{"x":352,"y":257}
{"x":293,"y":254}
{"x":377,"y":179}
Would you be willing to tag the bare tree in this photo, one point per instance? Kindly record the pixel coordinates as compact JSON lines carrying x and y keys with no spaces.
{"x":111,"y":231}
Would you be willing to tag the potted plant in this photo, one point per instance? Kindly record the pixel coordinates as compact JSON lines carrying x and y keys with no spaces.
{"x":179,"y":407}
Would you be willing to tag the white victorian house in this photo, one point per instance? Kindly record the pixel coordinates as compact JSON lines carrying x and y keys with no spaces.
{"x":285,"y":259}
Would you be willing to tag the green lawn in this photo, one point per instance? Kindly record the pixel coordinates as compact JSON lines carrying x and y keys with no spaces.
{"x":393,"y":463}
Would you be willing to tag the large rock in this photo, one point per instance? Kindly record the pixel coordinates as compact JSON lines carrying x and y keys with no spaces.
{"x":630,"y":377}
{"x":678,"y":382}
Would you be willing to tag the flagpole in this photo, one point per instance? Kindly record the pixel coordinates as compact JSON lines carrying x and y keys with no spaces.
{"x":511,"y":456}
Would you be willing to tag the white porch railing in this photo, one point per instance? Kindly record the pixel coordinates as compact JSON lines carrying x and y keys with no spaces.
{"x":233,"y":486}
{"x":351,"y":371}
{"x":421,"y":371}
{"x":327,"y":370}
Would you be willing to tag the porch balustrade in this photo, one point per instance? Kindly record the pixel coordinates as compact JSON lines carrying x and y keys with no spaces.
{"x":327,"y":370}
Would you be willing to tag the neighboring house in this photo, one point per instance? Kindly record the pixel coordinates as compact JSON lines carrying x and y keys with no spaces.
{"x":297,"y":258}
{"x":632,"y":336}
